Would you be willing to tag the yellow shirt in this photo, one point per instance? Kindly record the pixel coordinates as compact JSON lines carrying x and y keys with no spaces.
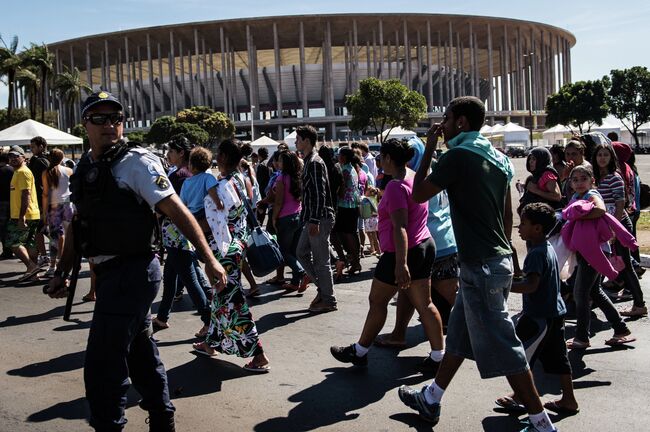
{"x":23,"y":179}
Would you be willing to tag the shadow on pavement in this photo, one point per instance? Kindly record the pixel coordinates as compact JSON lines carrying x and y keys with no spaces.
{"x":345,"y":390}
{"x":72,"y":410}
{"x":280,"y":319}
{"x":31,"y":319}
{"x":189,"y":379}
{"x":502,"y":423}
{"x":413,"y":420}
{"x":64,"y":363}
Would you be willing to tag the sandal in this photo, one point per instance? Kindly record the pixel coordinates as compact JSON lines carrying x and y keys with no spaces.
{"x":577,"y":344}
{"x":158,"y":325}
{"x":202,"y":348}
{"x":385,"y":341}
{"x":635,"y":311}
{"x":29,"y":274}
{"x":259,"y":369}
{"x":254,"y":292}
{"x":88,"y":298}
{"x":275,"y":281}
{"x":202,"y":333}
{"x":304,"y":283}
{"x":509,"y":405}
{"x":620,"y":340}
{"x":559,"y":409}
{"x":290,"y":287}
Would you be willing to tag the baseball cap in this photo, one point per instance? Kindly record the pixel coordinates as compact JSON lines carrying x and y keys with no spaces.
{"x":16,"y":151}
{"x":100,"y":97}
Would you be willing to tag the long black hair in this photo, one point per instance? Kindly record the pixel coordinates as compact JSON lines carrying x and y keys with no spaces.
{"x":612,"y":166}
{"x":292,"y":168}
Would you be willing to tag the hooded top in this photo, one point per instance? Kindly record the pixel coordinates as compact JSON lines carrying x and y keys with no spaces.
{"x":623,"y":153}
{"x":543,"y":163}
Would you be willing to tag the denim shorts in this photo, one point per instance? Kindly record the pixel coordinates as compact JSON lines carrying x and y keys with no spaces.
{"x":479,"y":326}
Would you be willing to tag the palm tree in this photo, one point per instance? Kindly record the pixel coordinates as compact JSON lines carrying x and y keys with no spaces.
{"x":39,"y":57}
{"x":10,"y":63}
{"x":69,"y":86}
{"x":28,"y":80}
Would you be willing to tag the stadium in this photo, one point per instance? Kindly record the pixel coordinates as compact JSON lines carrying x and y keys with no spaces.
{"x":274,"y":73}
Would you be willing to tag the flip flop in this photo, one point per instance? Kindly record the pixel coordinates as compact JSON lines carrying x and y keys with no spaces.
{"x":553,"y":406}
{"x":509,"y":405}
{"x":259,"y":369}
{"x":199,"y":348}
{"x":384,"y":341}
{"x":620,"y":340}
{"x":577,"y":344}
{"x":29,"y":274}
{"x":88,"y":298}
{"x":253,"y":293}
{"x":275,"y":281}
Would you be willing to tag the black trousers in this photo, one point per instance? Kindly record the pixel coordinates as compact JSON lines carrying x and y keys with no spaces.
{"x":120,"y":346}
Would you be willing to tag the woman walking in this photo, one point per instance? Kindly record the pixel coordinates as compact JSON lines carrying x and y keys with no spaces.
{"x":406,"y":262}
{"x":347,"y":213}
{"x":57,"y":208}
{"x":286,"y":216}
{"x":232,"y":329}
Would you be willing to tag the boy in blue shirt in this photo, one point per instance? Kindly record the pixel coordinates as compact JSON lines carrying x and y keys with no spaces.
{"x":540,"y":326}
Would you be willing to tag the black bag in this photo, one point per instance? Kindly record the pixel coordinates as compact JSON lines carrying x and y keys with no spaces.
{"x":262,"y":252}
{"x":644,"y":196}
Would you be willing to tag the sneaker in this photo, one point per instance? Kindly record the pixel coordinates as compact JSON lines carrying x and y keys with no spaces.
{"x":348,"y":354}
{"x":415,"y":399}
{"x":531,"y":428}
{"x":429,"y":366}
{"x":43,"y":260}
{"x":639,"y":271}
{"x":178,"y":297}
{"x":321,"y":306}
{"x":49,"y":273}
{"x":315,"y":300}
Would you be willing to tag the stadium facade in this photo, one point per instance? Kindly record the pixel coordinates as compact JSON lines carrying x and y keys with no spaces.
{"x":274,"y":73}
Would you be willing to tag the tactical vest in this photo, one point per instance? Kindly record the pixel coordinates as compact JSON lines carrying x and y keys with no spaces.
{"x":109,"y":220}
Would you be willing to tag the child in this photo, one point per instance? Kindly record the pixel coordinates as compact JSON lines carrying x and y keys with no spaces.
{"x":201,"y":183}
{"x":587,"y":279}
{"x":540,"y":326}
{"x":370,"y":224}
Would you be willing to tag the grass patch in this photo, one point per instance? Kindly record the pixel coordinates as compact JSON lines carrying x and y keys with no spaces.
{"x":644,"y":222}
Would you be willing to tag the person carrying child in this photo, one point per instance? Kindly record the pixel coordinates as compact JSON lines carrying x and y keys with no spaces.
{"x":368,"y":213}
{"x":540,"y":325}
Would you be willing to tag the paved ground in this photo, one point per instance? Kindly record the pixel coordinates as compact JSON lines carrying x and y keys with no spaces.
{"x":41,"y":360}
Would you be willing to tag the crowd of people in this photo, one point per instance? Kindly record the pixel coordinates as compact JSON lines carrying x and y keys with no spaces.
{"x":441,"y":230}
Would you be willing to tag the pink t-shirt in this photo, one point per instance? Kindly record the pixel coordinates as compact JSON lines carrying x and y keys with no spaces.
{"x":398,"y":196}
{"x":290,"y":205}
{"x":545,"y":178}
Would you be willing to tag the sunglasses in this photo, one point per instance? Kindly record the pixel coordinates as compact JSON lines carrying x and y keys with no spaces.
{"x":100,"y":119}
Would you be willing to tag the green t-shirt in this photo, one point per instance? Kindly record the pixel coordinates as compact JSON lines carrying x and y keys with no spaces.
{"x":477,"y":195}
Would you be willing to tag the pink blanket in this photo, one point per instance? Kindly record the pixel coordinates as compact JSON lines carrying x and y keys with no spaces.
{"x":586,"y":235}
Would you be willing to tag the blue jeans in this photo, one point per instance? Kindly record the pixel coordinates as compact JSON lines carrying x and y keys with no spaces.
{"x":289,"y":230}
{"x":479,"y":326}
{"x":182,"y":266}
{"x":119,"y":346}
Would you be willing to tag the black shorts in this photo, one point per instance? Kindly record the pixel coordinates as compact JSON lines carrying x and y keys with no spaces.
{"x":543,"y":339}
{"x":347,"y":220}
{"x":419,"y":260}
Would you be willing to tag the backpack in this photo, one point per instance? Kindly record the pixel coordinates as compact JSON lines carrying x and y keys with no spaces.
{"x":367,"y":208}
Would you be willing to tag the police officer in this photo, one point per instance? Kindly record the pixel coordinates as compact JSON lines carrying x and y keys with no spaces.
{"x":115,"y":190}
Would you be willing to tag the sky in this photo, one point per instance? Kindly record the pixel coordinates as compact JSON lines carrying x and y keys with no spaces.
{"x":610,"y":35}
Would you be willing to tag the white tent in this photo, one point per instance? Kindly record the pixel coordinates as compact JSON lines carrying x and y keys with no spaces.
{"x":266,"y":142}
{"x":22,"y":133}
{"x":397,"y":132}
{"x":610,"y":124}
{"x":290,"y":140}
{"x":486,"y":130}
{"x":556,"y":134}
{"x":513,"y":133}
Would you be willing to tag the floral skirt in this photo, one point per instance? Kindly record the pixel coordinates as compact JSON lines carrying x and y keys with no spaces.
{"x":232,"y":329}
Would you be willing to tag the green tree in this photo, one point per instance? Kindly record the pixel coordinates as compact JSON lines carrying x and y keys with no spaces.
{"x":138,"y":137}
{"x":193,"y":132}
{"x":70,"y":86}
{"x":218,"y":126}
{"x":10,"y":64}
{"x":576,"y":104}
{"x":17,"y":115}
{"x":27,"y":79}
{"x":629,"y":97}
{"x":160,"y":130}
{"x":194,"y":115}
{"x":384,"y":104}
{"x":79,"y":130}
{"x":41,"y":59}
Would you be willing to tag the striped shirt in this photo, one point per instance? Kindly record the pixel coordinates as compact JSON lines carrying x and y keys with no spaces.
{"x":612,"y":189}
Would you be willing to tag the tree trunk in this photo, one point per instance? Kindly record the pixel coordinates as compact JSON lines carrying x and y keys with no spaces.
{"x":636,"y":138}
{"x":10,"y":100}
{"x":43,"y":86}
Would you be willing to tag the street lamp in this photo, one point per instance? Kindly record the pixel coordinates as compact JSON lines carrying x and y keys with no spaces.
{"x":252,"y":126}
{"x":529,"y":92}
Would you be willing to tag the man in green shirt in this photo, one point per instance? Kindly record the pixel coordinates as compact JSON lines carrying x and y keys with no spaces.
{"x":476,"y":177}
